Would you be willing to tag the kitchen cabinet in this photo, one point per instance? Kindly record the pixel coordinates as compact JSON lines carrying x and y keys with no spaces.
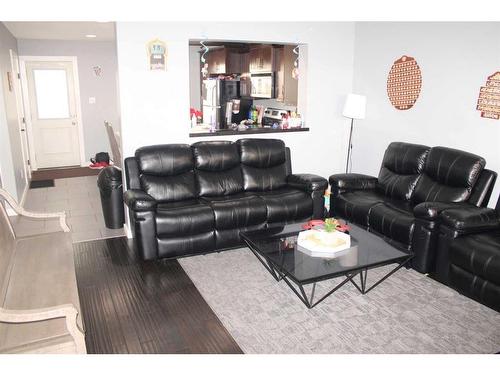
{"x":261,"y":59}
{"x":286,"y":85}
{"x":227,"y":61}
{"x":216,"y":61}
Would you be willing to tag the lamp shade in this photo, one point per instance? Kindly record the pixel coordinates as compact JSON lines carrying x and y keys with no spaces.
{"x":355,"y":106}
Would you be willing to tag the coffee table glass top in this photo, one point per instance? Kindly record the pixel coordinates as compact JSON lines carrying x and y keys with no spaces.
{"x":277,"y":244}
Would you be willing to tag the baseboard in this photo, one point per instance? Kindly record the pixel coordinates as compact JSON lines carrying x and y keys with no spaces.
{"x":128,"y":232}
{"x":9,"y":210}
{"x":25,"y":193}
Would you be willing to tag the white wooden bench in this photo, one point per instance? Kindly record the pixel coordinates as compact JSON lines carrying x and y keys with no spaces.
{"x":39,"y":305}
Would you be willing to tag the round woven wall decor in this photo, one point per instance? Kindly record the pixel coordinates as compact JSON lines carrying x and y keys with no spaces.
{"x":404,"y":83}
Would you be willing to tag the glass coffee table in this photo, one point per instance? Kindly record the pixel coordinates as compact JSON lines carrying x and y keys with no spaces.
{"x":276,"y":248}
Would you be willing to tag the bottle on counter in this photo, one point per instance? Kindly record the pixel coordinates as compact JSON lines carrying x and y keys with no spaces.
{"x":284,"y":121}
{"x":255,"y":114}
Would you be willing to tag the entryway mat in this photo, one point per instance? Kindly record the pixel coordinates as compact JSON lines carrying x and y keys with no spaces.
{"x":41,"y":184}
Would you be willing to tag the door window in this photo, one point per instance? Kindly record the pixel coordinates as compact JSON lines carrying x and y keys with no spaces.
{"x":51,"y":89}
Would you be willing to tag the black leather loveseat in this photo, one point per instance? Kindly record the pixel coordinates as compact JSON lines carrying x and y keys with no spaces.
{"x":468,"y":256}
{"x":186,"y":200}
{"x":415,"y":184}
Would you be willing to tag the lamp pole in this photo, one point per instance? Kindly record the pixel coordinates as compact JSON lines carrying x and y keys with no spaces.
{"x":349,"y":148}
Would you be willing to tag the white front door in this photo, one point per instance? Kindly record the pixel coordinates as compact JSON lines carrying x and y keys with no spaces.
{"x":53,"y":113}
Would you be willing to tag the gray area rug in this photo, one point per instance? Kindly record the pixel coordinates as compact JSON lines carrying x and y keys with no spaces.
{"x":407,"y":313}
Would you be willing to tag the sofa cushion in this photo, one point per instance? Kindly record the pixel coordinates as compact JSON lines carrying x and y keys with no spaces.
{"x":184,"y":218}
{"x":172,"y":247}
{"x":354,"y":206}
{"x":237,"y":210}
{"x":394,"y":220}
{"x":287,"y":205}
{"x":215,"y":156}
{"x":478,"y":254}
{"x":263,"y":164}
{"x":448,"y":176}
{"x":225,"y":238}
{"x":475,"y":287}
{"x":218,"y":170}
{"x":165,"y":160}
{"x":401,"y":168}
{"x":166,"y":172}
{"x":170,"y":188}
{"x":262,"y":153}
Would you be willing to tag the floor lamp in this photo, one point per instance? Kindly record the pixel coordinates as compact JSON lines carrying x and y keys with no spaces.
{"x":354,"y":108}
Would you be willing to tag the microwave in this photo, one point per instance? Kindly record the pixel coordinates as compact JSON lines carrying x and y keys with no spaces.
{"x":262,"y":85}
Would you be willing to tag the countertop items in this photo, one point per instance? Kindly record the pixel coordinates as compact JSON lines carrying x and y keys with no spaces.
{"x":248,"y":131}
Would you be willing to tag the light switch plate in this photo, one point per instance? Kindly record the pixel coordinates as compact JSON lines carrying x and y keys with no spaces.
{"x":92,"y":100}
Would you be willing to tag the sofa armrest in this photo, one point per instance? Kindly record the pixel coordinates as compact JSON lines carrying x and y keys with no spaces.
{"x":138,"y":200}
{"x":431,"y":210}
{"x":351,"y":181}
{"x":307,"y":182}
{"x":471,"y":219}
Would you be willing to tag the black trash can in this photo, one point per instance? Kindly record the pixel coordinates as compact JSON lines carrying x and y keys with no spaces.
{"x":110,"y":185}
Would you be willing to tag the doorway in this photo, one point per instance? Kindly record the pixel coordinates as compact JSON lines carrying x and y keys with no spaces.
{"x":52,"y":111}
{"x":16,"y":81}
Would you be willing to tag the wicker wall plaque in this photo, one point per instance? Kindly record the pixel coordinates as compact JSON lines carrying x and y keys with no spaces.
{"x":404,"y":83}
{"x":489,"y":98}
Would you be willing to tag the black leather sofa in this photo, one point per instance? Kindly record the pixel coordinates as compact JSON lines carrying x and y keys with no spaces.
{"x":186,"y":200}
{"x":468,"y":256}
{"x":415,"y":184}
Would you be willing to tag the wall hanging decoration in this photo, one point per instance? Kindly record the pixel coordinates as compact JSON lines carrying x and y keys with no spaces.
{"x":404,"y":83}
{"x":157,"y":55}
{"x":97,"y":70}
{"x":295,"y":70}
{"x":489,"y":98}
{"x":204,"y":66}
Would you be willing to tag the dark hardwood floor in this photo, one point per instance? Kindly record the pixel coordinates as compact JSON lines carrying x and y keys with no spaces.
{"x":131,"y":306}
{"x":51,"y":174}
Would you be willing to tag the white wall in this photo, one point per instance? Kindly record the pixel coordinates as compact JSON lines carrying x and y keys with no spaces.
{"x":103,"y":88}
{"x":455,"y":60}
{"x":155,"y":104}
{"x":11,"y":156}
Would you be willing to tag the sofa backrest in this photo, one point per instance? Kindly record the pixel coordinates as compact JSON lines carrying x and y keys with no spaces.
{"x":401,"y":168}
{"x":449,"y":175}
{"x":217,"y":168}
{"x":263,"y":164}
{"x":166,"y":172}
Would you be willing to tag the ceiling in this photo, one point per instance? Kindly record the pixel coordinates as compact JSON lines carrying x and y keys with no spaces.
{"x":104,"y":31}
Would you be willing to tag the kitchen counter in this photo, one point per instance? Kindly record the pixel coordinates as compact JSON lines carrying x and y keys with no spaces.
{"x":247,"y":131}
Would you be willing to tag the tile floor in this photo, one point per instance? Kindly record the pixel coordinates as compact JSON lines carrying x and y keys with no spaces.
{"x":79,"y":198}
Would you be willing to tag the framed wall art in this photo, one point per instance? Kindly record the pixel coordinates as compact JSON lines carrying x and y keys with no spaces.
{"x":157,"y":55}
{"x":489,"y":97}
